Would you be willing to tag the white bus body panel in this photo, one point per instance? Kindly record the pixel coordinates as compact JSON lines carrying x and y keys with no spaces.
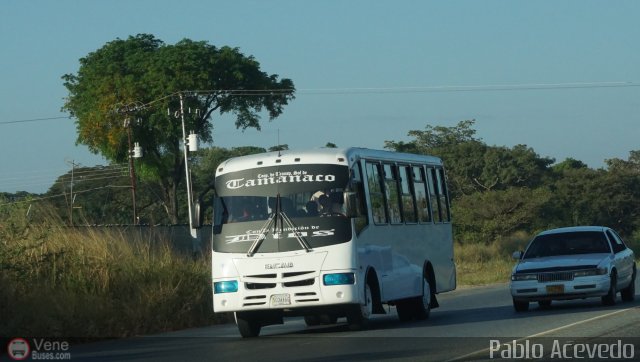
{"x":288,"y":273}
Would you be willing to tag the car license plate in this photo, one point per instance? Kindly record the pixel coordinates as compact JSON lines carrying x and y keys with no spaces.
{"x":280,"y":299}
{"x":555,"y":289}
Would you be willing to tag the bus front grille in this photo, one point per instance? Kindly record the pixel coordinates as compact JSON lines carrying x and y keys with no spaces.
{"x":254,"y":300}
{"x":285,"y":280}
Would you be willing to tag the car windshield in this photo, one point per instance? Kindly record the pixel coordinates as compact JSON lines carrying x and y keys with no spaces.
{"x":569,"y":243}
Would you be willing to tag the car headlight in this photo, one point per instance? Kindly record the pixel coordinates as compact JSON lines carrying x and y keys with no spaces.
{"x":523,"y":276}
{"x":590,"y":272}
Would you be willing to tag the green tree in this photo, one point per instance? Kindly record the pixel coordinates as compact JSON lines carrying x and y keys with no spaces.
{"x":143,"y":76}
{"x":472,"y":165}
{"x":485,"y":216}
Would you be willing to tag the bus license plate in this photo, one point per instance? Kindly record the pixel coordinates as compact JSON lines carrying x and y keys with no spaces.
{"x":555,"y":289}
{"x":280,"y":299}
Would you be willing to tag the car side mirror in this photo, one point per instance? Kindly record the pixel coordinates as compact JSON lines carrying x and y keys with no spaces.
{"x":517,"y":255}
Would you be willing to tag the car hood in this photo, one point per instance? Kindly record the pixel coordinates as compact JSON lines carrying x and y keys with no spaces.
{"x":560,"y":262}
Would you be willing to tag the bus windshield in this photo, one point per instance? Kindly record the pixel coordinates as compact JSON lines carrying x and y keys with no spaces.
{"x":282,"y":205}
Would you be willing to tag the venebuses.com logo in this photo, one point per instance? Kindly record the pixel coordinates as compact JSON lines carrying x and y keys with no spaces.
{"x":20,"y":349}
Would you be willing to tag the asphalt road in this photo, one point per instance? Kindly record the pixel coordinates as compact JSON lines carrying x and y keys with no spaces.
{"x":467,"y":326}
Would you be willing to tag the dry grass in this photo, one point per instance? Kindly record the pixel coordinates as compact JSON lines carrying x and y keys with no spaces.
{"x":478,"y":264}
{"x":63,"y":282}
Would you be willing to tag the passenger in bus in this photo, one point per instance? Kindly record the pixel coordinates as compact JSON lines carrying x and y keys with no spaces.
{"x":337,"y":200}
{"x":312,"y":208}
{"x":325,"y":204}
{"x":332,"y":204}
{"x":241,"y":211}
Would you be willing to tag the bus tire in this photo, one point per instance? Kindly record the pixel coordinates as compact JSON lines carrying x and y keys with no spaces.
{"x":359,"y":316}
{"x":423,"y":303}
{"x":326,"y":319}
{"x":249,"y":327}
{"x":311,"y":320}
{"x":405,"y":308}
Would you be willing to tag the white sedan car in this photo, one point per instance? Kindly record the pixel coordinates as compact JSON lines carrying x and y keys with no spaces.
{"x":572,"y":263}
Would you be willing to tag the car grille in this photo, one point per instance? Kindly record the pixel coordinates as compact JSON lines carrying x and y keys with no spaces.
{"x":554,"y":277}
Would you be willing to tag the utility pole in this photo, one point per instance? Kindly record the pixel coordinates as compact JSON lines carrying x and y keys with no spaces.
{"x":132,"y":171}
{"x":185,"y":146}
{"x":71,"y":197}
{"x":190,"y":144}
{"x":134,"y":151}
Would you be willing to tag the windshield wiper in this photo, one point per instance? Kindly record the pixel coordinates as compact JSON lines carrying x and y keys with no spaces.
{"x":301,"y":240}
{"x":273,"y":220}
{"x":263,"y":235}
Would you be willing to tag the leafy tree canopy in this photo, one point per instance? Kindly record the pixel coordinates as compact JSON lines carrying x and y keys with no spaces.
{"x":473,"y":165}
{"x":141,"y":76}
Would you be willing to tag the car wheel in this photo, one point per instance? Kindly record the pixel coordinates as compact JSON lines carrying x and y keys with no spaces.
{"x":610,"y":298}
{"x":544,"y":303}
{"x":358,"y":318}
{"x":249,"y":327}
{"x":628,"y":294}
{"x":520,"y":306}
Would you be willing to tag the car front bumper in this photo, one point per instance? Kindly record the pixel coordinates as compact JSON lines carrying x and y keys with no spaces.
{"x":580,"y":287}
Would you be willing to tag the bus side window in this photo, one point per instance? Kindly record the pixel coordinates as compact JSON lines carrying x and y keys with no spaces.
{"x":444,"y":195}
{"x":421,"y":192}
{"x":374,"y":180}
{"x":362,"y":219}
{"x":433,"y":192}
{"x":391,"y":193}
{"x":408,"y":202}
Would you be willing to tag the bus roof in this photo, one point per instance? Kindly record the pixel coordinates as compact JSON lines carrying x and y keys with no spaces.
{"x":344,"y":156}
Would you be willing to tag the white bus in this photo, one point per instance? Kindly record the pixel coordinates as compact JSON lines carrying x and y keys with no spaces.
{"x":330,"y":233}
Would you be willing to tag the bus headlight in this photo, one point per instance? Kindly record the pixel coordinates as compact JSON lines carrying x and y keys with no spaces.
{"x":227,"y":286}
{"x":339,"y":279}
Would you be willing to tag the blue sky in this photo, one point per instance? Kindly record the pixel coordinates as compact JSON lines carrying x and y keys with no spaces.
{"x":366,"y":72}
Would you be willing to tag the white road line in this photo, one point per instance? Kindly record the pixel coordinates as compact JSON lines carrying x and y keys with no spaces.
{"x":485,"y":350}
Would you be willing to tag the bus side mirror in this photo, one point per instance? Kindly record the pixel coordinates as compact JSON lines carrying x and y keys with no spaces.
{"x":351,"y":204}
{"x":198,"y":216}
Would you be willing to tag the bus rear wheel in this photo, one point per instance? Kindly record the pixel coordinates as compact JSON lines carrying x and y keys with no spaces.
{"x":248,"y":326}
{"x":417,"y":307}
{"x":423,"y":304}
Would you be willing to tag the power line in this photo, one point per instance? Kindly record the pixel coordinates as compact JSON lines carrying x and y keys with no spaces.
{"x":35,"y":120}
{"x":61,"y":195}
{"x":372,"y":90}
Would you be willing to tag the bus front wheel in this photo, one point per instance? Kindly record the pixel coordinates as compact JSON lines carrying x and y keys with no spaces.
{"x":248,"y":326}
{"x":358,"y":318}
